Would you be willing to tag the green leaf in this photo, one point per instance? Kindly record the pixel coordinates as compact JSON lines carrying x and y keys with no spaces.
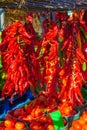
{"x":57,"y":119}
{"x":84,"y":33}
{"x":84,"y":66}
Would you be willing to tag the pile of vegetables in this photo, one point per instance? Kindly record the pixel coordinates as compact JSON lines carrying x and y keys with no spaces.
{"x":80,"y":124}
{"x":12,"y":125}
{"x":35,"y":114}
{"x":43,"y":122}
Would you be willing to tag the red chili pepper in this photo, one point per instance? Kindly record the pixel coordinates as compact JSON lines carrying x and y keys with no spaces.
{"x":22,"y":31}
{"x":30,"y":30}
{"x":65,"y":44}
{"x":73,"y":74}
{"x":50,"y":56}
{"x":80,"y":56}
{"x":17,"y":47}
{"x":7,"y":90}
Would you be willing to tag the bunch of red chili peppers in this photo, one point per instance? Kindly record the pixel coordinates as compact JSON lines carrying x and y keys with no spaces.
{"x":50,"y":56}
{"x":25,"y":66}
{"x":18,"y":58}
{"x":71,"y":74}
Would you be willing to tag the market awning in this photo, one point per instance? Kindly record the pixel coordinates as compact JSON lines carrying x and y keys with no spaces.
{"x":44,"y":4}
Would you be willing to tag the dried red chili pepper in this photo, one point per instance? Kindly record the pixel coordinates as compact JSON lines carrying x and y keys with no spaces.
{"x":17,"y":58}
{"x":50,"y":56}
{"x":72,"y":77}
{"x":80,"y":56}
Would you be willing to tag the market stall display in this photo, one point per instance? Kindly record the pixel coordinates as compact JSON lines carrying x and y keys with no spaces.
{"x":48,"y":65}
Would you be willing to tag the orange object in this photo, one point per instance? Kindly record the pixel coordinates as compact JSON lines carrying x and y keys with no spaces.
{"x":84,"y":116}
{"x":85,"y":127}
{"x":81,"y":121}
{"x":71,"y":128}
{"x":27,"y":118}
{"x":19,"y":125}
{"x":62,"y":72}
{"x":80,"y":124}
{"x":35,"y":126}
{"x":76,"y":125}
{"x":9,"y":123}
{"x":67,"y":110}
{"x":50,"y":127}
{"x":37,"y":111}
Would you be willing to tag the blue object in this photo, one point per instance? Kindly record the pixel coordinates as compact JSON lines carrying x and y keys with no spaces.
{"x":6,"y":106}
{"x":1,"y":19}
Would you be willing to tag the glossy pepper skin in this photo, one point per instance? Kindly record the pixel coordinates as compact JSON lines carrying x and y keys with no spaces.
{"x":72,"y":77}
{"x":50,"y":56}
{"x":17,"y":49}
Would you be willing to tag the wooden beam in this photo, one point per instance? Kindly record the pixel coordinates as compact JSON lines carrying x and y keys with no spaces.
{"x":40,"y":5}
{"x":35,"y":5}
